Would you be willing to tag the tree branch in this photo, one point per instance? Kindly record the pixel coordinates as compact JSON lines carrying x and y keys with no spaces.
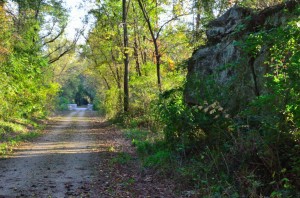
{"x":69,"y":48}
{"x":50,"y":31}
{"x":167,"y":22}
{"x":56,"y":37}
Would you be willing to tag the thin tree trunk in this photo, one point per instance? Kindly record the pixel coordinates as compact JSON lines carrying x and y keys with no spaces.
{"x":136,"y":56}
{"x":143,"y":52}
{"x":126,"y":59}
{"x":118,"y":77}
{"x":156,"y":47}
{"x":106,"y":82}
{"x":136,"y":47}
{"x":157,"y":58}
{"x":198,"y":18}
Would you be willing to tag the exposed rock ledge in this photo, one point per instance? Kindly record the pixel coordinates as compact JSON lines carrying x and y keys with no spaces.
{"x":221,"y":51}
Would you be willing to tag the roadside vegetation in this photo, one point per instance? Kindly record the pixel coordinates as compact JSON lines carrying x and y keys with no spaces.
{"x":27,"y":90}
{"x":249,"y":151}
{"x":13,"y":133}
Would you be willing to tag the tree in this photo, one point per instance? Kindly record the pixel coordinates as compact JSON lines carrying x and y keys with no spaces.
{"x":155,"y":30}
{"x":105,"y":50}
{"x":27,"y":77}
{"x":126,"y":58}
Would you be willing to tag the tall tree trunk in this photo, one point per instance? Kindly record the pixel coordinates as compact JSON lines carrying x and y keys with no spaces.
{"x":117,"y":78}
{"x":157,"y":58}
{"x":115,"y":73}
{"x":136,"y":56}
{"x":126,"y":59}
{"x":136,"y":47}
{"x":155,"y":39}
{"x":198,"y":18}
{"x":143,"y":50}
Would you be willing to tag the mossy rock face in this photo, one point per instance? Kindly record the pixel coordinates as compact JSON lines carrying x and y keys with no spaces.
{"x":225,"y":68}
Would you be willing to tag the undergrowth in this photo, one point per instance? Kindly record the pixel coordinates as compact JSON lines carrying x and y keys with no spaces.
{"x":233,"y":141}
{"x":14,"y":132}
{"x":214,"y":154}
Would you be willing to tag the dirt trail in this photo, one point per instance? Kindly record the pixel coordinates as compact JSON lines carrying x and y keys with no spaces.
{"x":61,"y":163}
{"x":78,"y":157}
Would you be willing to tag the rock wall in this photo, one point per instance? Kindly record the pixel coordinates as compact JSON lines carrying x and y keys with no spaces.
{"x":222,"y":66}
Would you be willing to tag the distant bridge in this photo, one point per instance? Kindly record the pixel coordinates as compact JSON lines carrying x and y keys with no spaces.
{"x":74,"y":107}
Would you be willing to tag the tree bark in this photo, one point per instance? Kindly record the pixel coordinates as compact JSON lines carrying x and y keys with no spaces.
{"x":126,"y":59}
{"x":136,"y":47}
{"x":136,"y":56}
{"x":157,"y":58}
{"x":143,"y":50}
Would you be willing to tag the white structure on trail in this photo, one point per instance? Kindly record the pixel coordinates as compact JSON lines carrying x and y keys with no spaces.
{"x":72,"y":106}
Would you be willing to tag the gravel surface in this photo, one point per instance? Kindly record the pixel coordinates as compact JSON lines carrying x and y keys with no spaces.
{"x":79,"y":155}
{"x":62,"y":163}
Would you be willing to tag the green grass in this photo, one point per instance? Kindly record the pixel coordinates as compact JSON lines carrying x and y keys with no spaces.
{"x":136,"y":136}
{"x":151,"y":148}
{"x":13,"y":133}
{"x":9,"y":127}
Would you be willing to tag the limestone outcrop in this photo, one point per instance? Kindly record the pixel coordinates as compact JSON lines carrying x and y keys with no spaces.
{"x":222,"y":65}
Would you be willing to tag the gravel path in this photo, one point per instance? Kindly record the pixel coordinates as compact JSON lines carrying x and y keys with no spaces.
{"x":62,"y":163}
{"x":80,"y":155}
